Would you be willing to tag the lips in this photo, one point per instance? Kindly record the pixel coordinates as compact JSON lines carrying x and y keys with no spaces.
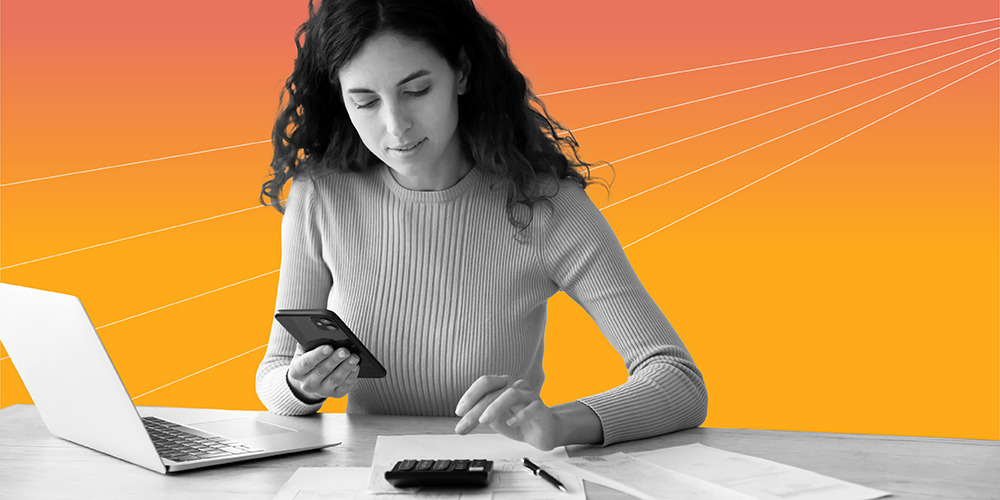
{"x":407,"y":147}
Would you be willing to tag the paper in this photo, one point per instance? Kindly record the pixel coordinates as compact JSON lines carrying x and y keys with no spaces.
{"x":645,"y":480}
{"x":325,"y":483}
{"x":314,"y":483}
{"x":756,"y":477}
{"x":510,"y":478}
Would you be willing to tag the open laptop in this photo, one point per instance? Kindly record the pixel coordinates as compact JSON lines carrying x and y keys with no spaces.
{"x":81,"y":398}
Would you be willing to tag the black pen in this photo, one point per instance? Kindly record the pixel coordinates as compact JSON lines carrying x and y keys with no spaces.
{"x":538,"y":471}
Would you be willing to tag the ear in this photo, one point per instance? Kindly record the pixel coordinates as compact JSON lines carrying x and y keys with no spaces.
{"x":464,"y":69}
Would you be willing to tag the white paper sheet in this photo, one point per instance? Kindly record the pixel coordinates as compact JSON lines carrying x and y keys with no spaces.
{"x":325,"y":483}
{"x":757,"y":477}
{"x":314,"y":483}
{"x":645,"y":480}
{"x":510,"y":478}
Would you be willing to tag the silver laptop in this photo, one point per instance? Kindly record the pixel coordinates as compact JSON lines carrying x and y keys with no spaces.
{"x":81,"y":398}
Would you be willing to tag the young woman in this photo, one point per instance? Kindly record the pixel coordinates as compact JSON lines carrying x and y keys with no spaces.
{"x":436,"y":207}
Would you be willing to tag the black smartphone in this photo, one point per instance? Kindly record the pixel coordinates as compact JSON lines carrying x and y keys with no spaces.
{"x":316,"y":327}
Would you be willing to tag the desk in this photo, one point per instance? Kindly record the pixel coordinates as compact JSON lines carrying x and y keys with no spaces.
{"x":34,"y":464}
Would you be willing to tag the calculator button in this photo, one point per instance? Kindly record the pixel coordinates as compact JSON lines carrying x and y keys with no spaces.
{"x":425,"y":464}
{"x":461,"y":465}
{"x":442,"y":465}
{"x":406,"y":465}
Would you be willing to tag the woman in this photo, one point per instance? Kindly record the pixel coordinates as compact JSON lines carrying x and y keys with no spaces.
{"x":436,"y":211}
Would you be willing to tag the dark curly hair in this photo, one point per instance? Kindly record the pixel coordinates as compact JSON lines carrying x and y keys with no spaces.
{"x":504,"y":128}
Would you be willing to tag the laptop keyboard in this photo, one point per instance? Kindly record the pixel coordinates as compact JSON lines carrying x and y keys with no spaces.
{"x":182,"y":444}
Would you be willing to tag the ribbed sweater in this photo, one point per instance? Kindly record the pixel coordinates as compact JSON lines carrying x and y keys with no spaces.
{"x":442,"y":289}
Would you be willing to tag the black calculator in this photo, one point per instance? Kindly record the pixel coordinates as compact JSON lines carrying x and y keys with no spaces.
{"x":468,"y":473}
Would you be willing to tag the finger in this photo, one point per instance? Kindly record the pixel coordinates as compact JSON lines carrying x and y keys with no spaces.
{"x":316,"y":379}
{"x":341,"y":371}
{"x":471,"y":419}
{"x":509,"y":402}
{"x":305,"y":363}
{"x":481,"y":387}
{"x":535,"y":410}
{"x":348,"y":383}
{"x":328,"y":365}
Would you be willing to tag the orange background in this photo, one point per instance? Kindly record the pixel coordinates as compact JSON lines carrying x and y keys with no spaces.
{"x":855,"y":291}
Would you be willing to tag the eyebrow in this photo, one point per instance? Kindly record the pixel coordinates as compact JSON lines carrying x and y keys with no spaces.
{"x":411,"y":76}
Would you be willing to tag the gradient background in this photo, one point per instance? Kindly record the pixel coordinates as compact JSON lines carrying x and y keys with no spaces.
{"x":856,"y":291}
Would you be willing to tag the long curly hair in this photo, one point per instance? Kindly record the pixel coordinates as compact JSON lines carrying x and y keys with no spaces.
{"x":504,"y":128}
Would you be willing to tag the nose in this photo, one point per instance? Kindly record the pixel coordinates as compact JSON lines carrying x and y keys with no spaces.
{"x":397,"y":119}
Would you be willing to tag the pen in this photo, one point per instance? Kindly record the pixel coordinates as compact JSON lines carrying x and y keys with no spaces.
{"x":538,"y":471}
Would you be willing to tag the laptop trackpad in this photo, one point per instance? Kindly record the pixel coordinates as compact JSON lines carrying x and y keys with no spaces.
{"x":237,"y":428}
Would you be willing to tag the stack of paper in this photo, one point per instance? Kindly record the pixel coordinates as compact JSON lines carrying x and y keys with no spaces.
{"x":697,"y":471}
{"x":692,"y":472}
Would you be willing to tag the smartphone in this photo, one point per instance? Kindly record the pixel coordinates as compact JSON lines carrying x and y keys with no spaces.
{"x":316,"y":327}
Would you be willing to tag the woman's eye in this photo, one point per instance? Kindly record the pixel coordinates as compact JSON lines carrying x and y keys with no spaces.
{"x":418,"y":92}
{"x":366,"y":105}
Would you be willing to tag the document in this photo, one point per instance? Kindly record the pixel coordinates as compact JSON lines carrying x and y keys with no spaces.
{"x":510,"y":479}
{"x":315,"y":483}
{"x":756,"y":477}
{"x":647,"y":481}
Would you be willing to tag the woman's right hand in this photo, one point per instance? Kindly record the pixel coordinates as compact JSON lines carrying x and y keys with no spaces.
{"x":323,"y":373}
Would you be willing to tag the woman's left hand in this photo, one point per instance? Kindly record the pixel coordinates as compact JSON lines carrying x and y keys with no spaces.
{"x":511,"y":407}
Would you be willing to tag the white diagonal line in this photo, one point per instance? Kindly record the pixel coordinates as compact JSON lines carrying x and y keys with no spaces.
{"x":133,"y":163}
{"x":200,"y":371}
{"x":765,"y":57}
{"x":185,"y":300}
{"x":650,"y":150}
{"x":672,"y":106}
{"x":793,"y":131}
{"x":131,"y":237}
{"x":808,"y":155}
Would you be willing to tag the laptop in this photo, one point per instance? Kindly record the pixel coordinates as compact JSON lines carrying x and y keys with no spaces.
{"x":80,"y":397}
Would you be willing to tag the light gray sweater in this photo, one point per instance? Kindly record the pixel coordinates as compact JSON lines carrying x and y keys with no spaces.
{"x":441,"y":289}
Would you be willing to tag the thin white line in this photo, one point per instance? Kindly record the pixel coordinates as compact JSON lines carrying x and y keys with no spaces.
{"x":133,"y":163}
{"x":650,"y":150}
{"x":131,"y":237}
{"x":5,"y":357}
{"x":779,"y":81}
{"x":199,"y":371}
{"x":810,"y":154}
{"x":762,"y":58}
{"x":623,"y":200}
{"x":624,"y":247}
{"x":539,"y":95}
{"x":187,"y":299}
{"x":178,"y":302}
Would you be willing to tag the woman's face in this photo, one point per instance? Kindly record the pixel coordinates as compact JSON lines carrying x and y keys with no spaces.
{"x":402,"y":97}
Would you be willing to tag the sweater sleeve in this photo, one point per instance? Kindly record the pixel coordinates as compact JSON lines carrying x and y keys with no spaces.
{"x":665,"y":391}
{"x":304,"y":283}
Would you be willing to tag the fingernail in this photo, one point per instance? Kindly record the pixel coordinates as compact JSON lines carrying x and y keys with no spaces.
{"x":342,"y":353}
{"x":327,"y":349}
{"x":511,"y":421}
{"x":460,"y":410}
{"x":353,"y":360}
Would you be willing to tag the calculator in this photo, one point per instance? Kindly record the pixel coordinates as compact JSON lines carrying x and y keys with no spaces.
{"x":468,"y":473}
